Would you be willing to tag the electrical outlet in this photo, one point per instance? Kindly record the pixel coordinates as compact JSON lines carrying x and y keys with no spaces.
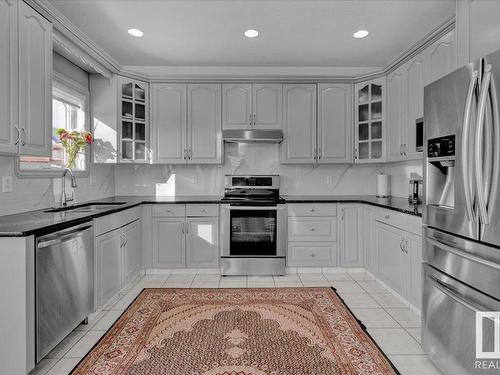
{"x":194,"y":179}
{"x":92,"y":180}
{"x":7,"y":184}
{"x":329,"y":180}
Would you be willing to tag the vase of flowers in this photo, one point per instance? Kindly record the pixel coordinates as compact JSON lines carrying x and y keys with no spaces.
{"x":74,"y":143}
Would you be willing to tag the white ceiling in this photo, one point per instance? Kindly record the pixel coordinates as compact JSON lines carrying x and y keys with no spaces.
{"x":292,"y":33}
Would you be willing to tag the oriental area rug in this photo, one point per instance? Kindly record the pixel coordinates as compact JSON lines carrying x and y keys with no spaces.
{"x":282,"y":331}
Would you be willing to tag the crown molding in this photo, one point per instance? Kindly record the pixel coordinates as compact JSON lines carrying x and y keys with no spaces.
{"x":101,"y":61}
{"x":75,"y":35}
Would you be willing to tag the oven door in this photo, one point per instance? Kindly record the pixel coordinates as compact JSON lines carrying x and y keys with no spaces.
{"x":253,"y":231}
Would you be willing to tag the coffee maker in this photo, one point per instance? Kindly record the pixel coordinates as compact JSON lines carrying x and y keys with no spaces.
{"x":416,"y":189}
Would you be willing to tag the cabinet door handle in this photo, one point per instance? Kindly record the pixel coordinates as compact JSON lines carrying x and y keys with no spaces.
{"x":406,"y":246}
{"x":356,"y":153}
{"x":401,"y":246}
{"x":187,"y":228}
{"x":387,"y":216}
{"x":319,"y":153}
{"x":125,"y":240}
{"x":250,"y":118}
{"x":18,"y":135}
{"x":23,"y":141}
{"x":254,"y":119}
{"x":182,"y":228}
{"x":343,"y":214}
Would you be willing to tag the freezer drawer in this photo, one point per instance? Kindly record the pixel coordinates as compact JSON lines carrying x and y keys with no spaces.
{"x":473,"y":263}
{"x":449,"y":321}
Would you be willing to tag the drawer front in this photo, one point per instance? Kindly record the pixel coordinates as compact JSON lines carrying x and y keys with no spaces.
{"x":312,"y":254}
{"x":312,"y":209}
{"x":118,"y":219}
{"x":312,"y":229}
{"x":169,"y":210}
{"x":393,"y":218}
{"x":193,"y":210}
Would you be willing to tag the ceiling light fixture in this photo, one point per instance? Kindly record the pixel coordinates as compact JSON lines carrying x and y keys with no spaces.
{"x":360,"y":34}
{"x":251,"y":33}
{"x":135,"y":32}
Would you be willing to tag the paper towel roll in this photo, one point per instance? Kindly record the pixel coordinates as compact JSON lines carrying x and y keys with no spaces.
{"x":383,"y":185}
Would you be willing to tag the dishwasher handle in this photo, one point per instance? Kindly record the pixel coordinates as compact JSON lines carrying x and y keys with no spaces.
{"x":62,"y":236}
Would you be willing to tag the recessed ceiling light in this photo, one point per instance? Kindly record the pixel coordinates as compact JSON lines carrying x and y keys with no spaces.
{"x":360,"y":34}
{"x":251,"y":33}
{"x":135,"y":32}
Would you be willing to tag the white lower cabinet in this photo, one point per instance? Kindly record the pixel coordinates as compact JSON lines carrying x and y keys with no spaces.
{"x":398,"y":254}
{"x":391,"y":258}
{"x":107,"y":252}
{"x":312,"y":235}
{"x":202,"y":242}
{"x":414,"y":248}
{"x":188,"y":240}
{"x":351,"y":235}
{"x":117,"y":255}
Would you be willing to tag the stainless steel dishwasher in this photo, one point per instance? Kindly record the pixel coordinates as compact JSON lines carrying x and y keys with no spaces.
{"x":64,"y":284}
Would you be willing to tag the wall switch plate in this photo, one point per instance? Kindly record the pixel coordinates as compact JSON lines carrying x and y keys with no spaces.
{"x":329,"y":180}
{"x":194,"y":179}
{"x":7,"y":184}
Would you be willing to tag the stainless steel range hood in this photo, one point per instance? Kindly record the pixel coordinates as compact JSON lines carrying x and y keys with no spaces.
{"x":251,"y":136}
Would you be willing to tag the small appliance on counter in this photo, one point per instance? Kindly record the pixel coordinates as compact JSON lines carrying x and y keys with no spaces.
{"x":383,"y":186}
{"x":416,"y":189}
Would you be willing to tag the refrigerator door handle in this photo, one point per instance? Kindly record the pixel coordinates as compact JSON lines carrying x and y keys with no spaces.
{"x":465,"y":147}
{"x":483,"y":213}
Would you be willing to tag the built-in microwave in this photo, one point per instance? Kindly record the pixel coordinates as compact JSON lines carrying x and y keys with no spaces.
{"x":419,"y":135}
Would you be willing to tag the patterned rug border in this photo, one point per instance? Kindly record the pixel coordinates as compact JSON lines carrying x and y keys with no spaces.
{"x":361,"y":325}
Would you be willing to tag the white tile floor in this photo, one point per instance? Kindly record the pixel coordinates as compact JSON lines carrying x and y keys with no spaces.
{"x":394,"y":327}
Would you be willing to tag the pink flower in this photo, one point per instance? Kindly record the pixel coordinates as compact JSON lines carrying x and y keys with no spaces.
{"x":65,"y":136}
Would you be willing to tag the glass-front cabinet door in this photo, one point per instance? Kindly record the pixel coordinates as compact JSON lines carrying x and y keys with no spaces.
{"x":370,"y":121}
{"x":133,"y":120}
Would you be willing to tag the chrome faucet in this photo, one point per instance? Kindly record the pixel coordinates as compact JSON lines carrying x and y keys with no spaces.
{"x":64,"y":199}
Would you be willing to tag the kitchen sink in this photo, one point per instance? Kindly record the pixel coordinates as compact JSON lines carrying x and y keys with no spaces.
{"x":87,"y":207}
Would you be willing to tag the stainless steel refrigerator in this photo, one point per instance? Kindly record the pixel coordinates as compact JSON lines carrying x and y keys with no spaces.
{"x":461,"y":215}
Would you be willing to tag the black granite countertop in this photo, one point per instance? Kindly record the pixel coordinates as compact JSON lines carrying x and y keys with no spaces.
{"x":39,"y":222}
{"x":392,"y":203}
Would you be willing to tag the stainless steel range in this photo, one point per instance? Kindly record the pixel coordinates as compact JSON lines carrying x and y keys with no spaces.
{"x":253,"y":230}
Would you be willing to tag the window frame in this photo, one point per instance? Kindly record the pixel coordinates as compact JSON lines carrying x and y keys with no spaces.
{"x":63,"y":83}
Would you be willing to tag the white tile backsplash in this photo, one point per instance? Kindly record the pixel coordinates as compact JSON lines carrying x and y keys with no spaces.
{"x":126,"y":179}
{"x":245,"y":159}
{"x":35,"y":193}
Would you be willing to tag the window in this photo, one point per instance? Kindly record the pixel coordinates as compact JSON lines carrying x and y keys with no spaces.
{"x":69,"y":111}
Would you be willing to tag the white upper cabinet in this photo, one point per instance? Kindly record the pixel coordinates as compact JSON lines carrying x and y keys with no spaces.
{"x":8,"y":78}
{"x":267,"y":105}
{"x":120,"y":119}
{"x":237,"y":106}
{"x":25,"y":80}
{"x":133,"y":120}
{"x":369,"y":130}
{"x":334,"y":123}
{"x":415,"y":82}
{"x":186,"y":123}
{"x":299,"y":119}
{"x":252,"y":106}
{"x":168,"y":123}
{"x":204,"y":124}
{"x":440,"y":57}
{"x":396,"y":115}
{"x":35,"y":82}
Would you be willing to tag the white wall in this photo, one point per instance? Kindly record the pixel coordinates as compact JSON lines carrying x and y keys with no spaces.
{"x":245,"y":159}
{"x":35,"y":193}
{"x":400,"y":176}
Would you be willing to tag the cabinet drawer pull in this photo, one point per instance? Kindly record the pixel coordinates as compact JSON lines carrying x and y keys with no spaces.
{"x":202,"y":210}
{"x":312,"y":210}
{"x":313,"y":255}
{"x":387,"y":216}
{"x":312,"y":229}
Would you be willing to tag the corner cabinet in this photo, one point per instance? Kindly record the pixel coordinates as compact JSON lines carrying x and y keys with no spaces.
{"x":186,"y":123}
{"x":370,"y":121}
{"x":25,"y":81}
{"x":120,"y":120}
{"x":252,"y":106}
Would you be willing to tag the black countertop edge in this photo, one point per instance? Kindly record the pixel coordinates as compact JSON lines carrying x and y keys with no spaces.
{"x":40,"y":222}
